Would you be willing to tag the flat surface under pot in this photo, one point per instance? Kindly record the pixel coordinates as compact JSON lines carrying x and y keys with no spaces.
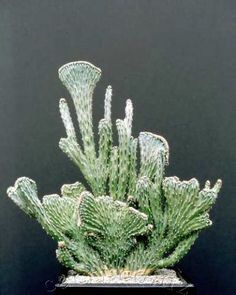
{"x":188,"y":289}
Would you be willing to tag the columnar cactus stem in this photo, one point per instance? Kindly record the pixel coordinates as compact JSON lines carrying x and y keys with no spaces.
{"x":132,"y":166}
{"x":80,"y":79}
{"x":113,"y":172}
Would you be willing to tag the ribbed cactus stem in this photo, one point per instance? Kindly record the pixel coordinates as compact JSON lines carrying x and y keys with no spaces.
{"x":80,"y":79}
{"x":107,"y":104}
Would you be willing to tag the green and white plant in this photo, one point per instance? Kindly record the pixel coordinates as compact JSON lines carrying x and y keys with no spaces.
{"x":130,"y":219}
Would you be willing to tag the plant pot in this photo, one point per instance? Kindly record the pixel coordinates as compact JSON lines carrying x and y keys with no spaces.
{"x":116,"y":285}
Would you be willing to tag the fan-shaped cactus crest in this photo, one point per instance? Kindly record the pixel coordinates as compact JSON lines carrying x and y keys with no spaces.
{"x":128,"y":218}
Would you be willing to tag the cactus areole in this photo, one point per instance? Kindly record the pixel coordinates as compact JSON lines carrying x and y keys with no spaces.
{"x":128,"y":218}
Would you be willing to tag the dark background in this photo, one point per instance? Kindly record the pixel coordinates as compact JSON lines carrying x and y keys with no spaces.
{"x":175,"y":59}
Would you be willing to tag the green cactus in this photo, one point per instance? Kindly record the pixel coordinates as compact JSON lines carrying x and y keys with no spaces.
{"x":134,"y":220}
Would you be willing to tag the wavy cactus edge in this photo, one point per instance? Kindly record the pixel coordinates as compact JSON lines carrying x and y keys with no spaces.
{"x":130,"y":218}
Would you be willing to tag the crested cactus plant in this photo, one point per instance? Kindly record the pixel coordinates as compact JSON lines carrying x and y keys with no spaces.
{"x":129,"y":218}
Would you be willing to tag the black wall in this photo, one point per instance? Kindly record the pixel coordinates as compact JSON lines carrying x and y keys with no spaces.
{"x":175,"y":59}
